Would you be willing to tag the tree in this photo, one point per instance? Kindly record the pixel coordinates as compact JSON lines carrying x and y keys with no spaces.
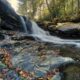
{"x":78,"y":6}
{"x":49,"y":8}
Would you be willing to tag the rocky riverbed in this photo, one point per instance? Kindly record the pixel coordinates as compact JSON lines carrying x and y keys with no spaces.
{"x":27,"y":59}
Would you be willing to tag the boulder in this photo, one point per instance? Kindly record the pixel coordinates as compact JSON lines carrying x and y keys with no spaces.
{"x":67,"y":30}
{"x":71,"y":72}
{"x":9,"y":19}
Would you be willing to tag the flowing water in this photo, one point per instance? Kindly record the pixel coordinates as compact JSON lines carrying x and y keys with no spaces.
{"x":24,"y":24}
{"x":46,"y":37}
{"x":31,"y":62}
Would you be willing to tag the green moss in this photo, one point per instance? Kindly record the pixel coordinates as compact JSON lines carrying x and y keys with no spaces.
{"x":72,"y":73}
{"x":72,"y":69}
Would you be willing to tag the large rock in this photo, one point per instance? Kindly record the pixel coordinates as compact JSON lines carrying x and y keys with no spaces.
{"x":71,"y":72}
{"x":9,"y":19}
{"x":67,"y":30}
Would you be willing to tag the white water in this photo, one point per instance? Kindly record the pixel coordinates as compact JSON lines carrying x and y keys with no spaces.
{"x":24,"y":24}
{"x":46,"y":37}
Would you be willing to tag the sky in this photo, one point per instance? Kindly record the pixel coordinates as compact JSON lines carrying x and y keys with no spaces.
{"x":14,"y":4}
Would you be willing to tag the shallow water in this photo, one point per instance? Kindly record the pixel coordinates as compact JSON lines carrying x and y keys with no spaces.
{"x":26,"y":56}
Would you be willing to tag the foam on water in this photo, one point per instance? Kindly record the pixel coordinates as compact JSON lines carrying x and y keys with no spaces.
{"x":42,"y":35}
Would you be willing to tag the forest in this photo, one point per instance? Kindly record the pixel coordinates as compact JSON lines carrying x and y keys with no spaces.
{"x":50,"y":9}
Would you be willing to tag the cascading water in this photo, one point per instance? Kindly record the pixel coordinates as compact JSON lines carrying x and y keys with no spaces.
{"x":46,"y":37}
{"x":37,"y":32}
{"x":24,"y":24}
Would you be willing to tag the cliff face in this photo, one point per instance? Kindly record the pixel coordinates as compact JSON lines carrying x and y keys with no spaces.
{"x":6,"y":11}
{"x":9,"y":19}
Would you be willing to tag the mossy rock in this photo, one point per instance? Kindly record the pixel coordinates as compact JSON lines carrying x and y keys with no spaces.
{"x":72,"y":73}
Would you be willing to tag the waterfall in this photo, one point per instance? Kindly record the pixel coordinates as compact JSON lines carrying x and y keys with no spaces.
{"x":37,"y":32}
{"x":34,"y":30}
{"x":23,"y":24}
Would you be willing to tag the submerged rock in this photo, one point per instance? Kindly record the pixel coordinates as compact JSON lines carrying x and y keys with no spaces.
{"x":72,"y":72}
{"x":22,"y":36}
{"x":2,"y":37}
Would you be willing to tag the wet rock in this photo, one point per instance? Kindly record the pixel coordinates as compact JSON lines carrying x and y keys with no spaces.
{"x":68,"y":34}
{"x":73,"y":52}
{"x":2,"y":37}
{"x":10,"y":20}
{"x":68,"y":30}
{"x":22,"y":38}
{"x":72,"y":72}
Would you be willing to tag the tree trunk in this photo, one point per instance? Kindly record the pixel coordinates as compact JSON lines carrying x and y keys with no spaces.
{"x":64,"y":9}
{"x":50,"y":11}
{"x":78,"y":7}
{"x":72,"y":7}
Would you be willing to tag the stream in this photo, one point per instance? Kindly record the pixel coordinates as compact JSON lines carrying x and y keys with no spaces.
{"x":27,"y":52}
{"x":41,"y":58}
